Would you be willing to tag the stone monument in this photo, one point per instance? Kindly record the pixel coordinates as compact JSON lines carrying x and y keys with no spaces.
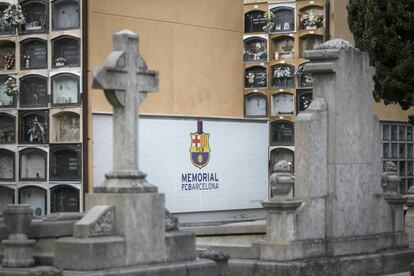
{"x":347,"y":219}
{"x":123,"y":231}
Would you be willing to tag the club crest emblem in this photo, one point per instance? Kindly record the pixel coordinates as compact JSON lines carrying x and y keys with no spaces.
{"x":199,"y":149}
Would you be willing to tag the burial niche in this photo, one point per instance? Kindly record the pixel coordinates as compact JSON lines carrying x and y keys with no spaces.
{"x":255,"y":105}
{"x":282,"y":133}
{"x":283,"y":76}
{"x":304,"y":99}
{"x":5,"y":27}
{"x":304,"y":79}
{"x":35,"y":197}
{"x":282,"y":103}
{"x":311,"y":17}
{"x":37,"y":16}
{"x":33,"y":127}
{"x":284,"y":19}
{"x":8,"y":55}
{"x":255,"y":49}
{"x":6,"y":197}
{"x":7,"y":129}
{"x":255,"y":77}
{"x":64,"y":198}
{"x":65,"y":89}
{"x":33,"y":54}
{"x":33,"y":91}
{"x":7,"y":159}
{"x":254,"y":21}
{"x":66,"y":127}
{"x":309,"y":42}
{"x":64,"y":162}
{"x":65,"y":14}
{"x":66,"y":51}
{"x":280,"y":154}
{"x":32,"y":164}
{"x":284,"y":48}
{"x":9,"y":90}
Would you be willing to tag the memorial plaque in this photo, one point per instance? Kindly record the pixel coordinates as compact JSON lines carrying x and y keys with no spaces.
{"x":64,"y":199}
{"x":255,"y":105}
{"x":255,"y":77}
{"x":33,"y":91}
{"x":285,"y":48}
{"x":33,"y":127}
{"x":304,"y":99}
{"x":65,"y":89}
{"x":32,"y":165}
{"x":254,"y":21}
{"x":7,"y":159}
{"x":282,"y":133}
{"x":68,"y":127}
{"x":255,"y":49}
{"x":6,"y":197}
{"x":285,"y":19}
{"x":65,"y":14}
{"x":283,"y":76}
{"x":37,"y":16}
{"x":64,"y":162}
{"x":35,"y":197}
{"x":282,"y":103}
{"x":66,"y":52}
{"x":7,"y":129}
{"x":33,"y":54}
{"x":309,"y":42}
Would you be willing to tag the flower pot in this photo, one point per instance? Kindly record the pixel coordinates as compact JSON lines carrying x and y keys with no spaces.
{"x":311,"y":27}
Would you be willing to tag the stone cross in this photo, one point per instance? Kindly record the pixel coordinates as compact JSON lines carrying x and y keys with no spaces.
{"x":125,"y":81}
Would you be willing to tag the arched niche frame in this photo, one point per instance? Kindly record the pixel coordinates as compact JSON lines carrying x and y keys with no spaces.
{"x":65,"y":51}
{"x":7,"y":196}
{"x":255,"y":77}
{"x":34,"y":91}
{"x":304,"y":79}
{"x":255,"y":49}
{"x":282,"y":133}
{"x":283,"y":75}
{"x":65,"y":162}
{"x":7,"y":128}
{"x":34,"y":127}
{"x":255,"y":105}
{"x":254,"y":21}
{"x":311,"y":17}
{"x":66,"y":127}
{"x":65,"y":14}
{"x":32,"y":164}
{"x":5,"y":29}
{"x":283,"y":103}
{"x":36,"y":13}
{"x":284,"y":18}
{"x":64,"y":198}
{"x":65,"y":89}
{"x":33,"y":54}
{"x":8,"y":100}
{"x":309,"y":42}
{"x":283,"y":47}
{"x":36,"y":197}
{"x":8,"y":54}
{"x":304,"y":98}
{"x":7,"y":165}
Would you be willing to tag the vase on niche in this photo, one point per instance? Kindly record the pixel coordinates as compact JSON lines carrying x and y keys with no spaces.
{"x":311,"y":27}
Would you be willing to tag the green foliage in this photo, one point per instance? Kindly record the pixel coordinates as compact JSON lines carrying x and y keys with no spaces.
{"x":385,"y":28}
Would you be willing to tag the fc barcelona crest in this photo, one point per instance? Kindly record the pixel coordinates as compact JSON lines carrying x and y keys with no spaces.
{"x":200,"y":149}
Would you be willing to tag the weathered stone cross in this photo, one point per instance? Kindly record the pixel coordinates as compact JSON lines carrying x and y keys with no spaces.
{"x":125,"y":81}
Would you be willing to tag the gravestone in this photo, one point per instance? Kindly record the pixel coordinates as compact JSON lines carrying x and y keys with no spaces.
{"x":123,"y":232}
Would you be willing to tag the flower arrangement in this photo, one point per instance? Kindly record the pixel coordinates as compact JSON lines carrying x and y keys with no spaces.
{"x":9,"y":61}
{"x":256,"y":51}
{"x":60,"y":61}
{"x":304,"y":78}
{"x":283,"y":72}
{"x":311,"y":18}
{"x":270,"y":19}
{"x":11,"y":89}
{"x":251,"y":77}
{"x":13,"y":15}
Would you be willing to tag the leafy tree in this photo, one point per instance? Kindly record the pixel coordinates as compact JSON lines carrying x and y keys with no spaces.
{"x":385,"y":28}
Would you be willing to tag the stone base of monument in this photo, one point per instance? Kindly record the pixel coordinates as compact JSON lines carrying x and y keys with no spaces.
{"x":31,"y":271}
{"x":381,"y":263}
{"x":181,"y":246}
